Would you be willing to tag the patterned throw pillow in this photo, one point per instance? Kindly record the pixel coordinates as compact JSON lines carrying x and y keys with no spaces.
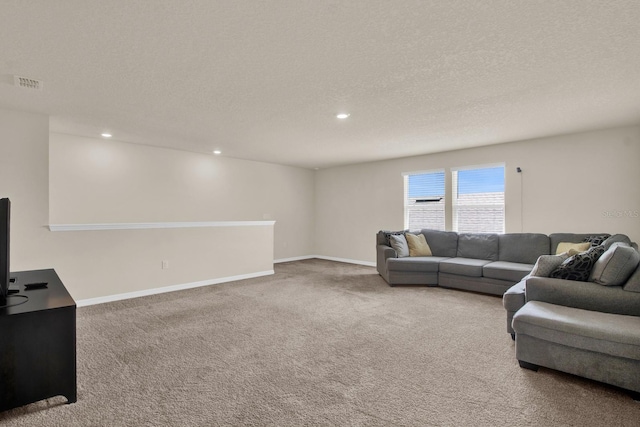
{"x":578,"y":267}
{"x":597,"y":240}
{"x":399,"y":243}
{"x":547,"y":263}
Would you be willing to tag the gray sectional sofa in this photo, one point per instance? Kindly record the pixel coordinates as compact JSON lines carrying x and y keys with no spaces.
{"x":588,"y":327}
{"x":488,"y":263}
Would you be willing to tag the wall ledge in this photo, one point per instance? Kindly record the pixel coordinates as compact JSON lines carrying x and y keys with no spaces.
{"x":155,"y":225}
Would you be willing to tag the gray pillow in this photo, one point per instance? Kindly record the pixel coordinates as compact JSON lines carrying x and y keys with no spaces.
{"x":614,"y":239}
{"x":399,"y":243}
{"x":547,"y":263}
{"x":615,"y":266}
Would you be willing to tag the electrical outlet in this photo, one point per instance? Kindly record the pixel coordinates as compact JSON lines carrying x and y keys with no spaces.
{"x":165,"y":264}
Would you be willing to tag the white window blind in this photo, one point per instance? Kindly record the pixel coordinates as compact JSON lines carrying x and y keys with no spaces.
{"x":478,"y":199}
{"x":424,"y":200}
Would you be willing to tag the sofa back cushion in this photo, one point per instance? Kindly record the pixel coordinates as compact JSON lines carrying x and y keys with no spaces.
{"x":442,"y":243}
{"x":524,"y":248}
{"x":478,"y":246}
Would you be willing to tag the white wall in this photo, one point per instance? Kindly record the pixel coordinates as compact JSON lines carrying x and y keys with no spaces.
{"x":572,"y":183}
{"x":24,"y":178}
{"x":106,"y":181}
{"x":144,"y":184}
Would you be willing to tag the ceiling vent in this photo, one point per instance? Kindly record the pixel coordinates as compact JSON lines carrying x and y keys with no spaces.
{"x":27,"y":83}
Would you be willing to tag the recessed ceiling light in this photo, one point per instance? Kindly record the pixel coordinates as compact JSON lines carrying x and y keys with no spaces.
{"x":343,"y":115}
{"x":106,"y":135}
{"x":217,"y":152}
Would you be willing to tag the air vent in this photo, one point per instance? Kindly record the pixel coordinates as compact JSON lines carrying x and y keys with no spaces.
{"x":27,"y":83}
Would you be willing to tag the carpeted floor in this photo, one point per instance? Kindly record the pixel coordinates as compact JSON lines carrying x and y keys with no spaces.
{"x":318,"y":343}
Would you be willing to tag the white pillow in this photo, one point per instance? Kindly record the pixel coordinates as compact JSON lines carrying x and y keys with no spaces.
{"x":399,"y":243}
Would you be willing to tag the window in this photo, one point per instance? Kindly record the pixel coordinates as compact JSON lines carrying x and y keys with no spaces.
{"x":478,"y":199}
{"x":424,"y":200}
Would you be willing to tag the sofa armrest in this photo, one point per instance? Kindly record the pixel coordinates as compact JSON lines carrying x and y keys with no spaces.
{"x":384,"y":252}
{"x":584,"y":295}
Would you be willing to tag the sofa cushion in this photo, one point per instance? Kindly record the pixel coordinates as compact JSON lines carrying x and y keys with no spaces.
{"x":442,"y":243}
{"x":607,"y":333}
{"x":615,"y":266}
{"x":463,"y":266}
{"x":615,"y":239}
{"x":633,"y":283}
{"x":578,"y":267}
{"x":399,"y":244}
{"x":415,"y":264}
{"x":418,"y":245}
{"x":478,"y":245}
{"x":504,"y":270}
{"x":522,"y":247}
{"x":545,"y":264}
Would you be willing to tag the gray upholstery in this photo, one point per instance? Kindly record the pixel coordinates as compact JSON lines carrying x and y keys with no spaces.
{"x":442,"y":243}
{"x":504,"y":270}
{"x":633,"y":284}
{"x":428,"y":264}
{"x":601,"y":346}
{"x":463,"y":266}
{"x":522,"y":248}
{"x":512,"y":301}
{"x":584,"y":295}
{"x":478,"y":245}
{"x":475,"y":284}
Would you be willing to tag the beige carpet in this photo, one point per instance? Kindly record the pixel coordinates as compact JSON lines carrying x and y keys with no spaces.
{"x":318,"y":343}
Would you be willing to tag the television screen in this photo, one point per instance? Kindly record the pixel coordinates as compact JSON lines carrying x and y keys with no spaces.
{"x":5,"y":219}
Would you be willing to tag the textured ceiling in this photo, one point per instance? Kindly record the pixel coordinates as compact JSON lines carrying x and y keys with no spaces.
{"x":264,"y":80}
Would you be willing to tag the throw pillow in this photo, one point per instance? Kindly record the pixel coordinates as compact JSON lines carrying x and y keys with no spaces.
{"x":418,"y":245}
{"x":388,"y":234}
{"x":615,"y":266}
{"x":566,"y":246}
{"x":547,"y":263}
{"x":597,"y":240}
{"x":615,"y":239}
{"x":578,"y":267}
{"x":399,"y":243}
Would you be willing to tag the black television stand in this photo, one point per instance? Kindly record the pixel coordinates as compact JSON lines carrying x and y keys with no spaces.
{"x":37,"y":342}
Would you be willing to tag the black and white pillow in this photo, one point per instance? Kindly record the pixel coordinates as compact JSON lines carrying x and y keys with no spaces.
{"x":578,"y":267}
{"x":597,"y":240}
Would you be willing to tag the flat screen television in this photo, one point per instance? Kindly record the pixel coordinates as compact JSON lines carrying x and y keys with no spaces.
{"x":5,"y":275}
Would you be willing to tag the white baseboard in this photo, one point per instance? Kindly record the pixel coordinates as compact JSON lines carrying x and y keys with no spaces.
{"x":171,"y":288}
{"x":328,"y":258}
{"x":295,"y":258}
{"x":348,"y":261}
